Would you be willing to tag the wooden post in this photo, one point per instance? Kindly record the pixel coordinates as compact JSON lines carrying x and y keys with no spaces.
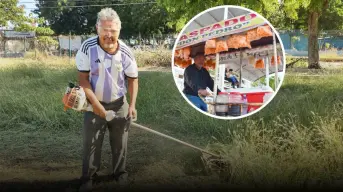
{"x":24,"y":44}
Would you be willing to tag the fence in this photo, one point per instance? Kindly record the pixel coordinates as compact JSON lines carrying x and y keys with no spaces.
{"x":69,"y":45}
{"x":296,"y":43}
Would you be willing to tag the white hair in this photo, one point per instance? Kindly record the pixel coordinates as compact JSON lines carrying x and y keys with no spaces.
{"x":108,"y":14}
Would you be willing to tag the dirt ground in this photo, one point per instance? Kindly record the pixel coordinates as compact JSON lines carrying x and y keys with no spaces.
{"x":153,"y":162}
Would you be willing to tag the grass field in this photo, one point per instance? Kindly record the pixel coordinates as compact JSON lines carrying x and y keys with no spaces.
{"x":297,"y":139}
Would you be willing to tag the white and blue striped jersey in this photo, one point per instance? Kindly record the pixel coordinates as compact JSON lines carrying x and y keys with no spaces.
{"x":106,"y":71}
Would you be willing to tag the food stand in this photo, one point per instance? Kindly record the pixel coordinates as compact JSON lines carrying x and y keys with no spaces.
{"x":246,"y":44}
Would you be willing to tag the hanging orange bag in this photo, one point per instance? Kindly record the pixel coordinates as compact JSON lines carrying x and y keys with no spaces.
{"x":186,"y":63}
{"x":238,"y":41}
{"x":221,"y":46}
{"x":206,"y":64}
{"x":186,"y":52}
{"x":264,"y":31}
{"x":278,"y":60}
{"x":212,"y":64}
{"x":210,"y":43}
{"x":209,"y":51}
{"x":177,"y":61}
{"x":252,"y":35}
{"x":259,"y":64}
{"x":179,"y":53}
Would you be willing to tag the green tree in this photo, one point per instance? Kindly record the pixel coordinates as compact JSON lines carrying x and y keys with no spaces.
{"x":145,"y":19}
{"x":181,"y":11}
{"x":65,"y":20}
{"x":312,"y":10}
{"x":42,"y":31}
{"x":314,"y":16}
{"x":10,"y":12}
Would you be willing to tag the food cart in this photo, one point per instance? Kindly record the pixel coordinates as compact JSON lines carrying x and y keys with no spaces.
{"x":247,"y":45}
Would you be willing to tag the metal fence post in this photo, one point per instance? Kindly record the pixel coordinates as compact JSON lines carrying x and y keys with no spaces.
{"x":69,"y":46}
{"x":34,"y":44}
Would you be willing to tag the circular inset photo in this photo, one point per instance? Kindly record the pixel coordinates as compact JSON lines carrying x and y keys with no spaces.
{"x":228,"y":62}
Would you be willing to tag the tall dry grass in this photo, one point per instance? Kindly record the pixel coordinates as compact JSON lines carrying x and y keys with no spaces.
{"x":159,"y":57}
{"x":285,"y":152}
{"x":296,"y":140}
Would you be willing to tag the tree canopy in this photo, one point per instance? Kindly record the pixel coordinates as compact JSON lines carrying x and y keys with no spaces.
{"x":10,"y":12}
{"x":144,"y":18}
{"x":181,"y":11}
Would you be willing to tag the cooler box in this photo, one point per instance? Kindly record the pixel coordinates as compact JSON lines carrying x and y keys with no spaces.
{"x":256,"y":97}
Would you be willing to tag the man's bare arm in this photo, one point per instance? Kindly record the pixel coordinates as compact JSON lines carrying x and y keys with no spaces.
{"x":133,"y":91}
{"x":84,"y":83}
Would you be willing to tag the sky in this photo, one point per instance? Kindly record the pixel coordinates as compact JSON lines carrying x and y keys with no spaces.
{"x":30,"y":4}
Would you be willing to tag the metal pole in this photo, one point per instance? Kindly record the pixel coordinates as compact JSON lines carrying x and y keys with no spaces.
{"x":222,"y":67}
{"x":216,"y":74}
{"x":59,"y":40}
{"x":5,"y":47}
{"x":241,"y":67}
{"x":266,"y":59}
{"x":275,"y":60}
{"x":34,"y":44}
{"x":172,"y":138}
{"x":69,"y":46}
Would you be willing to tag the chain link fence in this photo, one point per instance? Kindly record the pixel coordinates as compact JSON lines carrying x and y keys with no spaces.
{"x":330,"y":43}
{"x":14,"y":47}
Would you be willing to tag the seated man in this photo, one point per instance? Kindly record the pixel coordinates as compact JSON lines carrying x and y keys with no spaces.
{"x":229,"y":76}
{"x":196,"y":79}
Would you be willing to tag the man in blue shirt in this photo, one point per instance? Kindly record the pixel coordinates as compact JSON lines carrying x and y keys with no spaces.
{"x":196,"y":79}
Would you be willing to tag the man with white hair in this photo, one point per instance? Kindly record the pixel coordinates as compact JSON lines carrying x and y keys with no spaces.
{"x":104,"y":63}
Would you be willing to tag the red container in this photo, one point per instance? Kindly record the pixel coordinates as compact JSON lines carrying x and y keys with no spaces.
{"x":252,"y":108}
{"x":255,"y":97}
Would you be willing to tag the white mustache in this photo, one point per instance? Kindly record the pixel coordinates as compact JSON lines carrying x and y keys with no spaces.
{"x":109,"y":38}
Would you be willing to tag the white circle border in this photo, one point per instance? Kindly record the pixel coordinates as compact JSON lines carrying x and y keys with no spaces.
{"x":283,"y":56}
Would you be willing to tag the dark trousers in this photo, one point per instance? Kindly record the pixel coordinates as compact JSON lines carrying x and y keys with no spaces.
{"x":93,"y":135}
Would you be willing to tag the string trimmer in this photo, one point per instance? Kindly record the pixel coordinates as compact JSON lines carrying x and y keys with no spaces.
{"x":75,"y":99}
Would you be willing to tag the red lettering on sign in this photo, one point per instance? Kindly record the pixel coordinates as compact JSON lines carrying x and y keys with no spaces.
{"x":231,"y":22}
{"x":194,"y":33}
{"x":216,"y":26}
{"x":183,"y":37}
{"x":204,"y":29}
{"x":248,"y":17}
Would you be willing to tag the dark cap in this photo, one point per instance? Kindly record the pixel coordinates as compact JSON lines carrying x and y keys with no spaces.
{"x":193,"y":55}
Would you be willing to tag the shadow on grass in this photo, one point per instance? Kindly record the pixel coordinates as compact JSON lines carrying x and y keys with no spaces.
{"x":73,"y":185}
{"x":63,"y":185}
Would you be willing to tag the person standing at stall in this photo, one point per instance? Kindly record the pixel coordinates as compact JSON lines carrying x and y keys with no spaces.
{"x":196,"y":80}
{"x":104,"y":63}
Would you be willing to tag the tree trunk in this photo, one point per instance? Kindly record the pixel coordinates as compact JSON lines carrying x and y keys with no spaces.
{"x":313,"y":49}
